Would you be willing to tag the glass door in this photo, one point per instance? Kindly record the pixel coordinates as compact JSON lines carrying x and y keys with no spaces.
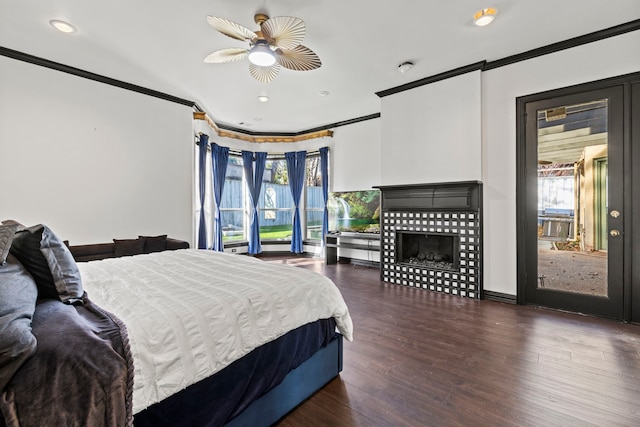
{"x":575,"y":202}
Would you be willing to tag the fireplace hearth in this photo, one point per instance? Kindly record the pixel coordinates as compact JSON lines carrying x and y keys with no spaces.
{"x":431,"y":237}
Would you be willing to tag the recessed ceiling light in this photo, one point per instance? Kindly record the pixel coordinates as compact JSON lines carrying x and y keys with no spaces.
{"x":63,"y":27}
{"x":323,"y":93}
{"x":263,"y":98}
{"x":485,"y":16}
{"x":405,"y":66}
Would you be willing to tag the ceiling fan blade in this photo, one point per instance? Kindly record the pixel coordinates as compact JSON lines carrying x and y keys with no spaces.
{"x":264,"y":74}
{"x":226,"y":55}
{"x":284,"y":32}
{"x":231,"y":29}
{"x":300,"y":58}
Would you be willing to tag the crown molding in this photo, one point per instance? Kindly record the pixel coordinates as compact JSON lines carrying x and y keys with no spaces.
{"x":565,"y":44}
{"x":323,"y":131}
{"x":530,"y":54}
{"x":36,"y":60}
{"x":260,"y":138}
{"x":221,"y":130}
{"x":478,"y":66}
{"x":346,"y":122}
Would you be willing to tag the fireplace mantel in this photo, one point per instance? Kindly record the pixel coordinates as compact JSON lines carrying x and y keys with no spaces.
{"x":433,"y":209}
{"x":461,"y":195}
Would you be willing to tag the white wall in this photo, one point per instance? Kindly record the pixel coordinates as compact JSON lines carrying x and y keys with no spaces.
{"x":500,"y":88}
{"x":433,"y":133}
{"x":92,"y":161}
{"x":356,"y":157}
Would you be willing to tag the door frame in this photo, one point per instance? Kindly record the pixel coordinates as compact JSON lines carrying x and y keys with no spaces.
{"x":523,"y":160}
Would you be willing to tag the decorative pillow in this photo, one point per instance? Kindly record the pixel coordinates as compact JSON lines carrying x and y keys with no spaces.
{"x":154,"y":243}
{"x":18,"y":294}
{"x":49,"y":262}
{"x":128,"y":247}
{"x":6,"y":238}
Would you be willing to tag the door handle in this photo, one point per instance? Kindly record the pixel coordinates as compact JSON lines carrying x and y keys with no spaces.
{"x":614,"y":213}
{"x":614,"y":233}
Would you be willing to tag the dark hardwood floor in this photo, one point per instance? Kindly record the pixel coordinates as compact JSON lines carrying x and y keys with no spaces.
{"x":421,"y":358}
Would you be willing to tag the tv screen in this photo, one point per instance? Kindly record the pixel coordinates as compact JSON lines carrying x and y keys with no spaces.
{"x":355,"y":211}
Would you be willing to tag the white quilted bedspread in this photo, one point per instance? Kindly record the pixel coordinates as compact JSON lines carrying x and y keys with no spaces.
{"x":190,"y":313}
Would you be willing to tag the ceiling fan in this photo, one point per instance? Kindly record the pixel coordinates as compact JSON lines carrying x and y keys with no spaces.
{"x":276,"y":44}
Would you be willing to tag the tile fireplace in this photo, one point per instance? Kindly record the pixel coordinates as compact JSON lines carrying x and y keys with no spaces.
{"x":431,"y":237}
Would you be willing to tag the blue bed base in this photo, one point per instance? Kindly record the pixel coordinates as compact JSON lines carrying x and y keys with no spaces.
{"x":297,"y":386}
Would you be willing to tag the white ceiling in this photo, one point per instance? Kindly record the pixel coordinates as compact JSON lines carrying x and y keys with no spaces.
{"x":161,"y":45}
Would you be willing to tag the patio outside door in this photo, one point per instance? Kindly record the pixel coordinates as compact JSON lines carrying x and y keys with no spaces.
{"x":574,"y":202}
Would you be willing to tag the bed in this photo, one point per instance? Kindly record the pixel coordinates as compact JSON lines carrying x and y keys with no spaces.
{"x":193,"y":337}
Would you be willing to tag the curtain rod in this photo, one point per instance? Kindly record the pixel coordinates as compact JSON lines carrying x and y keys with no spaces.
{"x":272,"y":155}
{"x":239,"y":152}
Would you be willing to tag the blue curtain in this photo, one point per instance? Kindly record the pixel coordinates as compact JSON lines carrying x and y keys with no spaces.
{"x":296,"y":169}
{"x":324,"y":173}
{"x":254,"y":184}
{"x":203,"y":144}
{"x":219,"y":162}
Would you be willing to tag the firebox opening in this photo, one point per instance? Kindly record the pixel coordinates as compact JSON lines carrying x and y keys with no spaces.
{"x":429,"y":250}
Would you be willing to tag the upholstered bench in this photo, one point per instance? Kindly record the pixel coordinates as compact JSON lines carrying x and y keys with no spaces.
{"x":126,"y":247}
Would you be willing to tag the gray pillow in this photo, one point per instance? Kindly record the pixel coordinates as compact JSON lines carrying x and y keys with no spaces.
{"x":6,"y":238}
{"x":18,"y":294}
{"x":50,"y":263}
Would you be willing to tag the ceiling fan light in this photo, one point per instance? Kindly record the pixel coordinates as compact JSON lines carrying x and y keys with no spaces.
{"x":485,"y":16}
{"x":261,"y":54}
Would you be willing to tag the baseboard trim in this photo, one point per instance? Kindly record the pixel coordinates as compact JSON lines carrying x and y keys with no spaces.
{"x":500,"y":297}
{"x":267,"y":254}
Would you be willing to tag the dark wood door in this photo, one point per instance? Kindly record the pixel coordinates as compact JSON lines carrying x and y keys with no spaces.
{"x":632,"y":305}
{"x":572,"y":202}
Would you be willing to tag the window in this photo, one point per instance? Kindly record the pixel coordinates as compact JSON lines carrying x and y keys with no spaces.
{"x":556,"y":187}
{"x":314,"y":206}
{"x":275,"y":202}
{"x":232,"y":208}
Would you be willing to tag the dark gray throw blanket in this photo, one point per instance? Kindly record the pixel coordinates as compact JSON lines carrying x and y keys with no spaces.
{"x":80,"y":375}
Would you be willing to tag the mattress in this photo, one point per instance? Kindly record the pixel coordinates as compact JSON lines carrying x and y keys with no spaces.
{"x":190,"y":313}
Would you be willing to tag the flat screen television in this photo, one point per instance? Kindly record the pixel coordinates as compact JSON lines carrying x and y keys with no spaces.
{"x":354,"y":211}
